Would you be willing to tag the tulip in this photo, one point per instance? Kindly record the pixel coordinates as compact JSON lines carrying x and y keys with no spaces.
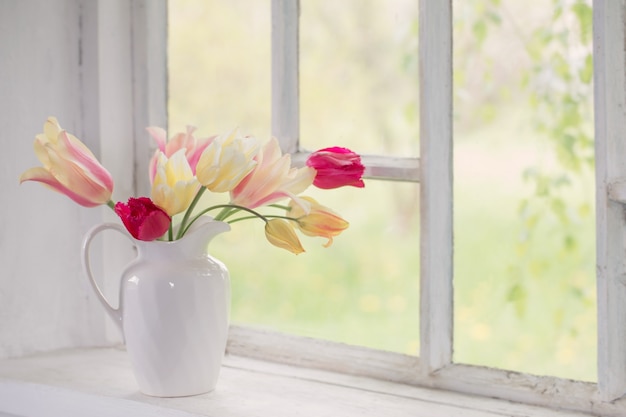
{"x":69,"y":167}
{"x":272,"y":179}
{"x":193,"y":147}
{"x":226,"y":161}
{"x":143,"y":219}
{"x":174,"y":186}
{"x":280,"y":233}
{"x":336,"y":167}
{"x":319,"y":221}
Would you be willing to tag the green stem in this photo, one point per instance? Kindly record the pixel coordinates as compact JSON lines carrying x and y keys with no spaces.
{"x":267,"y":216}
{"x":111,"y":204}
{"x":227,"y":210}
{"x":170,"y":233}
{"x":280,"y":206}
{"x":183,"y":227}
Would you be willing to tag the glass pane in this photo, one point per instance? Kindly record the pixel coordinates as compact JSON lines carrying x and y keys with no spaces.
{"x":524,"y":187}
{"x":219,"y":66}
{"x":362,"y":290}
{"x":358,"y":75}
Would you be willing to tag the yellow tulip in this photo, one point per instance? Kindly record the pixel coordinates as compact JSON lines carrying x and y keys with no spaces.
{"x":318,"y":220}
{"x":174,"y":185}
{"x":226,"y":161}
{"x":280,"y":233}
{"x":69,"y":167}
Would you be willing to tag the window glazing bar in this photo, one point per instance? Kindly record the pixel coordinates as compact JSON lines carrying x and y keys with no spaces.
{"x":285,"y":74}
{"x":610,"y":120}
{"x":435,"y":63}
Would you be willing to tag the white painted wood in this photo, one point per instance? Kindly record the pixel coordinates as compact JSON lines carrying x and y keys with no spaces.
{"x":386,"y":366}
{"x":436,"y":248}
{"x":17,"y":399}
{"x":528,"y":389}
{"x":74,"y":59}
{"x":44,"y":304}
{"x":68,"y":383}
{"x":617,"y":190}
{"x":285,"y":74}
{"x":321,"y":354}
{"x":108,"y":111}
{"x":149,"y":69}
{"x":610,"y":116}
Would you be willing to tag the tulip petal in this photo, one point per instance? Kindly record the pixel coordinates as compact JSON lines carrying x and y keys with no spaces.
{"x":174,"y":186}
{"x":85,"y":158}
{"x":159,"y":135}
{"x":226,"y":161}
{"x":336,"y":167}
{"x":43,"y":176}
{"x":272,"y":179}
{"x":318,"y":221}
{"x":51,"y":129}
{"x":76,"y":178}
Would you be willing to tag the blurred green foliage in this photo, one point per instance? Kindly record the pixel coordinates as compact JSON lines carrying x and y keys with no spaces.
{"x":541,"y":52}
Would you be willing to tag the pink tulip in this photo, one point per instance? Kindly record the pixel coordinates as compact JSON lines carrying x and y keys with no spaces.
{"x":193,"y":147}
{"x":272,"y":179}
{"x":143,"y":219}
{"x":69,"y":167}
{"x":336,"y":167}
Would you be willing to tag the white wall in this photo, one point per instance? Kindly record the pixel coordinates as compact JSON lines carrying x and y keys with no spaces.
{"x":44,"y":303}
{"x":85,"y":62}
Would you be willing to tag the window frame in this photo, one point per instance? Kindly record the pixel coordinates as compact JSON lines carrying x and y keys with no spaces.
{"x":434,"y":367}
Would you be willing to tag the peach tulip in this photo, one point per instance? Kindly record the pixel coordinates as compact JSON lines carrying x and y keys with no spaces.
{"x":69,"y":167}
{"x":272,"y":179}
{"x":319,"y":221}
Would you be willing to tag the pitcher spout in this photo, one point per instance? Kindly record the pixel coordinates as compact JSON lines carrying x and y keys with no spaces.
{"x":203,"y":230}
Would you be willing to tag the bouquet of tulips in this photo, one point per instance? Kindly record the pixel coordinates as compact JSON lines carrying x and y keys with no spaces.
{"x":255,"y":175}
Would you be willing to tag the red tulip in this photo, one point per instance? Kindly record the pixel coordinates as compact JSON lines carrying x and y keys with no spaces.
{"x":336,"y":167}
{"x":143,"y":219}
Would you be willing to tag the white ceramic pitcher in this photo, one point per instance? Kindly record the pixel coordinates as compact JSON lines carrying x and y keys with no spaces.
{"x":173,"y":310}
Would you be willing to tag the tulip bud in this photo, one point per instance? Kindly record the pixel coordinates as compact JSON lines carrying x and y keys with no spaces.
{"x":280,"y":233}
{"x":319,"y":221}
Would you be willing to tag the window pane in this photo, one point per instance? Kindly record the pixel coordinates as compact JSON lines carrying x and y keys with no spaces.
{"x":219,"y":66}
{"x":358,"y":75}
{"x":362,"y":290}
{"x":524,"y":187}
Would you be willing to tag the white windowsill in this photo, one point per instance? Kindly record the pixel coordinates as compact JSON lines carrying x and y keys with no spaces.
{"x":99,"y":382}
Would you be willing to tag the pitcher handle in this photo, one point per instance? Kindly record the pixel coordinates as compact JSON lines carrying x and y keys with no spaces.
{"x":115,"y":313}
